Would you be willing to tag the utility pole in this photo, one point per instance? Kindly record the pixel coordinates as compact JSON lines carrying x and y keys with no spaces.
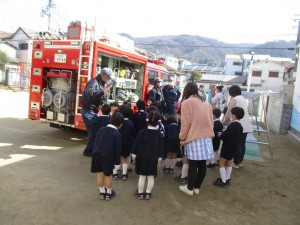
{"x":46,"y":11}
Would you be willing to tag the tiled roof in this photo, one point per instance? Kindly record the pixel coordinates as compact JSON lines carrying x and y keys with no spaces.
{"x":4,"y":35}
{"x":216,"y":78}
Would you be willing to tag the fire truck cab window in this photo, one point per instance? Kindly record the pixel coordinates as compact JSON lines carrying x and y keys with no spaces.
{"x":152,"y":75}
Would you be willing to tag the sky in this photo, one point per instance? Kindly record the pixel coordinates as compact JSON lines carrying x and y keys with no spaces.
{"x":230,"y":21}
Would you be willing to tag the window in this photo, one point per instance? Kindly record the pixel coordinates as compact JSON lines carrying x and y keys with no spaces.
{"x":256,"y":73}
{"x":238,"y":73}
{"x":23,"y":46}
{"x":237,"y":63}
{"x":273,"y":74}
{"x":152,"y":75}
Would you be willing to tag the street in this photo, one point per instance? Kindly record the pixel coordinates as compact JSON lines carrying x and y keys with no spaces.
{"x":46,"y":180}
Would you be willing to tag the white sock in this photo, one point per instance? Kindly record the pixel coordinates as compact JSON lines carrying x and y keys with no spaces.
{"x":173,"y":163}
{"x":109,"y":190}
{"x":184,"y":171}
{"x":228,"y":172}
{"x":212,"y":161}
{"x":128,"y":160}
{"x":141,"y":183}
{"x":124,"y":168}
{"x":178,"y":159}
{"x":168,"y":163}
{"x":150,"y":184}
{"x":102,"y":189}
{"x":116,"y":168}
{"x":223,"y":174}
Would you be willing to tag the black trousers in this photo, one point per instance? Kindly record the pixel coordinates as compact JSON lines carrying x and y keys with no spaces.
{"x":196,"y":173}
{"x":239,"y":156}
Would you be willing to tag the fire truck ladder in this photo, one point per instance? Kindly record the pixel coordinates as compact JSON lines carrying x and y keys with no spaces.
{"x":84,"y":67}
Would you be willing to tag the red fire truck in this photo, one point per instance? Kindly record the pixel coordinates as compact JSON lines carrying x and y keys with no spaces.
{"x":62,"y":67}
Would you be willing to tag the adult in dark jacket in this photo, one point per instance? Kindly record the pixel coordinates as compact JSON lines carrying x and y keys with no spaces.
{"x":171,"y":95}
{"x":92,"y":98}
{"x":156,"y":92}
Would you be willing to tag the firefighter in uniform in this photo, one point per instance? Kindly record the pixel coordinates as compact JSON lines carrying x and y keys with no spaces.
{"x":171,"y":95}
{"x":156,"y":92}
{"x":92,"y":98}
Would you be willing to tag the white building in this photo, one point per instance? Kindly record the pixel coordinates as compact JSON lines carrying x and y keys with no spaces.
{"x":267,"y":76}
{"x":239,"y":64}
{"x":183,"y":63}
{"x":23,"y":39}
{"x":169,"y":61}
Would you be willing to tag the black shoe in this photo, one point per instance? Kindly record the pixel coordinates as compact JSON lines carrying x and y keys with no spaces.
{"x":181,"y":180}
{"x":115,"y":176}
{"x":129,"y":170}
{"x":166,"y":170}
{"x":148,"y":196}
{"x":179,"y":164}
{"x":87,"y":154}
{"x":140,"y":196}
{"x":218,"y":182}
{"x":125,"y":176}
{"x":102,"y":196}
{"x":109,"y":197}
{"x":211,"y":165}
{"x":227,"y":181}
{"x":171,"y":171}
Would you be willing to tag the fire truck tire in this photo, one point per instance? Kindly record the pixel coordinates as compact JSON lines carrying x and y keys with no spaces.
{"x":60,"y":102}
{"x":47,"y":98}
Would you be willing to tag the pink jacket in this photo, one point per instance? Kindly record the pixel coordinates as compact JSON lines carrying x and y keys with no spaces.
{"x":196,"y":120}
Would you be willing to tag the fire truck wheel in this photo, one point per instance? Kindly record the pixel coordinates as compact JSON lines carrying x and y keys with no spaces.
{"x":60,"y":102}
{"x":47,"y":98}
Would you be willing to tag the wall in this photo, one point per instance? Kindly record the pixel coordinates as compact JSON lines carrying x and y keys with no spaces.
{"x":230,"y":68}
{"x":9,"y":50}
{"x":295,"y":120}
{"x":279,"y":113}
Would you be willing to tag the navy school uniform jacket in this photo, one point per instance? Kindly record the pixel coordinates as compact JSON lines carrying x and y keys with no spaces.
{"x":232,"y":135}
{"x":127,"y":131}
{"x":108,"y":143}
{"x":148,"y":144}
{"x":101,"y":121}
{"x":139,"y":121}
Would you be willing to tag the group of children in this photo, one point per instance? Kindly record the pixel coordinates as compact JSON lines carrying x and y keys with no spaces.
{"x":148,"y":137}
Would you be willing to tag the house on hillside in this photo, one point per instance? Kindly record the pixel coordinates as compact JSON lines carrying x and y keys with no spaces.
{"x":268,"y":75}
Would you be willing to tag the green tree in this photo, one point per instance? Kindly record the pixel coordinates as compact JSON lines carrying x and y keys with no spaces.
{"x":195,"y":76}
{"x":3,"y":60}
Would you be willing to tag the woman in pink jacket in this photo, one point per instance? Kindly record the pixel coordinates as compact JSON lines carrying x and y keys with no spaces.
{"x":196,"y":136}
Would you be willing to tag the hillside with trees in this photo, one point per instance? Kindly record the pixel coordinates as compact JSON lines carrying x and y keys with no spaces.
{"x":197,"y":49}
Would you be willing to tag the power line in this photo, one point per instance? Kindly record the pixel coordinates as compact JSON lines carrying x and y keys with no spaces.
{"x":218,"y":46}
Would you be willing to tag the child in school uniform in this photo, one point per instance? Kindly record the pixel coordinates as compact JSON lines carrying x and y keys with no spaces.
{"x":172,"y":144}
{"x":218,"y":128}
{"x":139,"y":117}
{"x":231,"y":138}
{"x":147,"y":152}
{"x":102,"y":120}
{"x":106,"y":154}
{"x":160,"y":123}
{"x":113,"y":107}
{"x":127,"y":131}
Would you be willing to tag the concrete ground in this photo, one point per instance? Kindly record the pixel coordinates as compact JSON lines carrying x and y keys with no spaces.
{"x":46,"y":180}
